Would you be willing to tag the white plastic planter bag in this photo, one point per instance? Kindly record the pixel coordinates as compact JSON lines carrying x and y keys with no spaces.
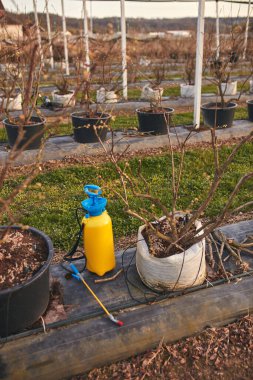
{"x":104,"y":96}
{"x":100,"y":97}
{"x":66,"y":100}
{"x":180,"y":271}
{"x":111,"y":97}
{"x":251,"y":86}
{"x":149,"y":93}
{"x":187,"y":90}
{"x":229,"y":88}
{"x":12,"y":104}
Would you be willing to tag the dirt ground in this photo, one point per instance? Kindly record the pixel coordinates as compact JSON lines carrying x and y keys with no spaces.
{"x":224,"y":353}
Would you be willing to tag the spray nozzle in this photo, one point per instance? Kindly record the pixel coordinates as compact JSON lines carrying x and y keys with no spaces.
{"x":95,"y":204}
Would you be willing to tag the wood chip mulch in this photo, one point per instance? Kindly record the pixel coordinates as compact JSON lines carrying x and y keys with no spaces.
{"x":21,"y":255}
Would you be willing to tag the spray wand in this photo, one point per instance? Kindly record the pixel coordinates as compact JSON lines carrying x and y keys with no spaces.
{"x":78,"y":276}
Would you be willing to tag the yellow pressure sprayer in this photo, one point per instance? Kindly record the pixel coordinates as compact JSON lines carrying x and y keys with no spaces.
{"x":98,"y":242}
{"x":97,"y":232}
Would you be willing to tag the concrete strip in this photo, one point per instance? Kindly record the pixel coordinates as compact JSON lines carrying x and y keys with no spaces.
{"x":58,"y":148}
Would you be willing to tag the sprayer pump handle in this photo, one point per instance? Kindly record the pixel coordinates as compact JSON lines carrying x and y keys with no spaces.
{"x":92,"y":190}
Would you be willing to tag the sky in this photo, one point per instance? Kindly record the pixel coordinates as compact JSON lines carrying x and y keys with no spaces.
{"x":133,"y":9}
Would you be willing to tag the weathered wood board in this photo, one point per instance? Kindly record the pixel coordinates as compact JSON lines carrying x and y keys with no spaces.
{"x":80,"y":346}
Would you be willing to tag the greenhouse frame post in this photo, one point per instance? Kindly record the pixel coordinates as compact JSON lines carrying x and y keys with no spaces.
{"x":38,"y":30}
{"x":217,"y":31}
{"x":246,"y":32}
{"x":123,"y":48}
{"x":199,"y":62}
{"x":49,"y":36}
{"x":64,"y":28}
{"x":86,"y":35}
{"x":91,"y":18}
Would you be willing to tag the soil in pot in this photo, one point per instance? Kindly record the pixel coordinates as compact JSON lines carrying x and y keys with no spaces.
{"x":33,"y":132}
{"x":86,"y":125}
{"x":250,"y":109}
{"x":216,"y":116}
{"x":25,"y":256}
{"x":154,"y":120}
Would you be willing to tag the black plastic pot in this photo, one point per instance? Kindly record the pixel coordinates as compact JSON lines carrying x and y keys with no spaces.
{"x":32,"y":132}
{"x":22,"y":305}
{"x":155,"y":123}
{"x":83,"y":126}
{"x":215,"y":116}
{"x":250,"y":109}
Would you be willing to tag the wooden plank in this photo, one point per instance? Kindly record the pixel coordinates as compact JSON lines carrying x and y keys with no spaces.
{"x":79,"y":347}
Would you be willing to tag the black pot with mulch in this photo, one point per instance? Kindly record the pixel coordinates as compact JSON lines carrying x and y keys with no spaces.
{"x":214,"y":115}
{"x":33,"y":133}
{"x":250,"y":109}
{"x":87,"y":127}
{"x":154,"y":121}
{"x":25,"y":256}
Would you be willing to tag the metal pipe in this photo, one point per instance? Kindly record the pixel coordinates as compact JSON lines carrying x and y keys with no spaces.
{"x":86,"y":35}
{"x":246,"y":32}
{"x":199,"y":62}
{"x":217,"y":31}
{"x":123,"y":48}
{"x":91,"y":18}
{"x":38,"y":30}
{"x":49,"y":37}
{"x":65,"y":38}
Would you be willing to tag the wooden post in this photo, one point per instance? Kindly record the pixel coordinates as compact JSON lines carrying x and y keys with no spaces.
{"x":123,"y":48}
{"x":199,"y":62}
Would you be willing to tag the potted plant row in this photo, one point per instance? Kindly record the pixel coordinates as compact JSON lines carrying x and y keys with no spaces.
{"x":108,"y":92}
{"x":187,"y":89}
{"x":153,"y":91}
{"x":26,"y":131}
{"x":219,"y":114}
{"x":63,"y":95}
{"x":89,"y":125}
{"x":154,"y":119}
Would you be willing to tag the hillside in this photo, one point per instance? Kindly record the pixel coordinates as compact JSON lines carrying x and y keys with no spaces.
{"x":133,"y":24}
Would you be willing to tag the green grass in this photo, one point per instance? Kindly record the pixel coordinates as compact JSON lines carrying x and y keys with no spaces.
{"x":49,"y":203}
{"x":3,"y":135}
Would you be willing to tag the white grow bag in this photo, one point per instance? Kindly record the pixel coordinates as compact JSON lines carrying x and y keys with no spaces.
{"x":12,"y":104}
{"x":251,"y":86}
{"x":66,"y":100}
{"x":180,"y":271}
{"x":229,"y":88}
{"x":150,"y":94}
{"x":104,"y":96}
{"x":187,"y":90}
